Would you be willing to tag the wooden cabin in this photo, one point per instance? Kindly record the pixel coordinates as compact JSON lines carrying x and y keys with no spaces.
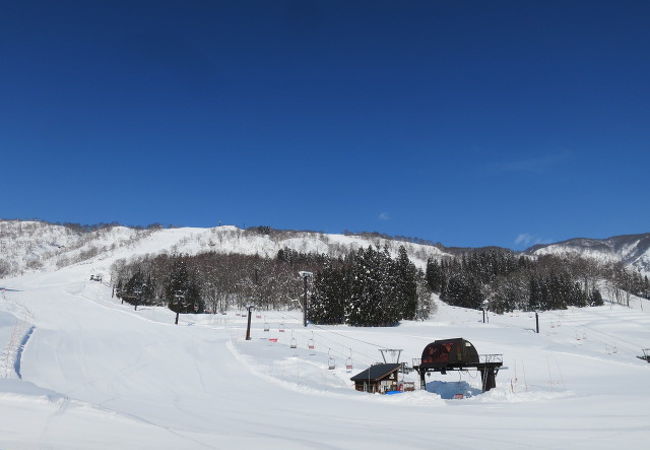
{"x":379,"y":378}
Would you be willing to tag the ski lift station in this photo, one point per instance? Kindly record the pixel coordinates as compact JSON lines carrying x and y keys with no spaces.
{"x":441,"y":356}
{"x":458,"y":354}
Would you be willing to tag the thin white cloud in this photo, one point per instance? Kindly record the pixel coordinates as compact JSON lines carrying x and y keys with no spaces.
{"x":383,"y":216}
{"x":523,"y":239}
{"x":537,"y":165}
{"x":528,"y":240}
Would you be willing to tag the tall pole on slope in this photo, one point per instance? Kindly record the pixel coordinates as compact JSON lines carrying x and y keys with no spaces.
{"x":248,"y":328}
{"x":136,"y":297}
{"x":484,"y":306}
{"x":179,"y":298}
{"x":305,"y":275}
{"x":536,"y":322}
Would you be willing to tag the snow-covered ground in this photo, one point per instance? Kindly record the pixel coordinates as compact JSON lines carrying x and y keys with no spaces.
{"x":96,"y":374}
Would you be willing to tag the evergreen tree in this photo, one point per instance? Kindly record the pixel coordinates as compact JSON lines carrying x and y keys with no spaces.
{"x":595,"y":298}
{"x":182,"y":291}
{"x":407,"y":285}
{"x":327,"y":305}
{"x":434,"y":275}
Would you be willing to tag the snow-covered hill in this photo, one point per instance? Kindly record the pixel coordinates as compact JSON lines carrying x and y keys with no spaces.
{"x":80,"y":370}
{"x":36,"y":246}
{"x":27,"y":246}
{"x":632,"y":249}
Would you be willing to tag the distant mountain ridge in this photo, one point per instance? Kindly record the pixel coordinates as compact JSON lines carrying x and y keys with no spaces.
{"x":37,"y":245}
{"x":630,"y":249}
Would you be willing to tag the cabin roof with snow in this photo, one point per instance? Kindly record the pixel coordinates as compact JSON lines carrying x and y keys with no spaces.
{"x":377,"y":372}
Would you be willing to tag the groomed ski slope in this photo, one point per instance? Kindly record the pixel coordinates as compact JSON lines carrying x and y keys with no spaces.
{"x":96,"y":374}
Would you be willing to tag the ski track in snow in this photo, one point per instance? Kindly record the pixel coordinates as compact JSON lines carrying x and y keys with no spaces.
{"x":10,"y":359}
{"x":21,"y":348}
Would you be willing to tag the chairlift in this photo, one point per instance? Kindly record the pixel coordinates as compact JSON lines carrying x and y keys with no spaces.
{"x":311,"y":345}
{"x":348,"y":363}
{"x":331,"y":363}
{"x":266,"y":326}
{"x":294,"y":342}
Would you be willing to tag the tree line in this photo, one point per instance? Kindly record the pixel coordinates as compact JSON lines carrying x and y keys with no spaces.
{"x":368,"y":287}
{"x":365,"y":288}
{"x":213,"y":282}
{"x":508,"y":281}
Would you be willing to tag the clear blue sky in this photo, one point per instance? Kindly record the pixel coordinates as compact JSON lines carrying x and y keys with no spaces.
{"x":469,"y":123}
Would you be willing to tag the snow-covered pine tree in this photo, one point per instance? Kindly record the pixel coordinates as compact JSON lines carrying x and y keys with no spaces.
{"x":327,"y":304}
{"x":434,"y":275}
{"x":182,"y":290}
{"x":595,"y":299}
{"x":407,"y":275}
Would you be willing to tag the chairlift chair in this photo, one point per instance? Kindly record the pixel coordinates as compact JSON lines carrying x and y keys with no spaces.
{"x":266,"y":326}
{"x":331,"y":363}
{"x":348,"y":363}
{"x":311,"y":345}
{"x":294,"y":343}
{"x":281,"y":329}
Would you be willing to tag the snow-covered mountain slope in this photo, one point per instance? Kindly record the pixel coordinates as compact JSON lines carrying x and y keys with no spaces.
{"x":34,"y":246}
{"x":632,"y":249}
{"x":96,"y":374}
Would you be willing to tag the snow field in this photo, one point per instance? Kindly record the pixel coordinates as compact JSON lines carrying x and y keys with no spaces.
{"x":97,"y":374}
